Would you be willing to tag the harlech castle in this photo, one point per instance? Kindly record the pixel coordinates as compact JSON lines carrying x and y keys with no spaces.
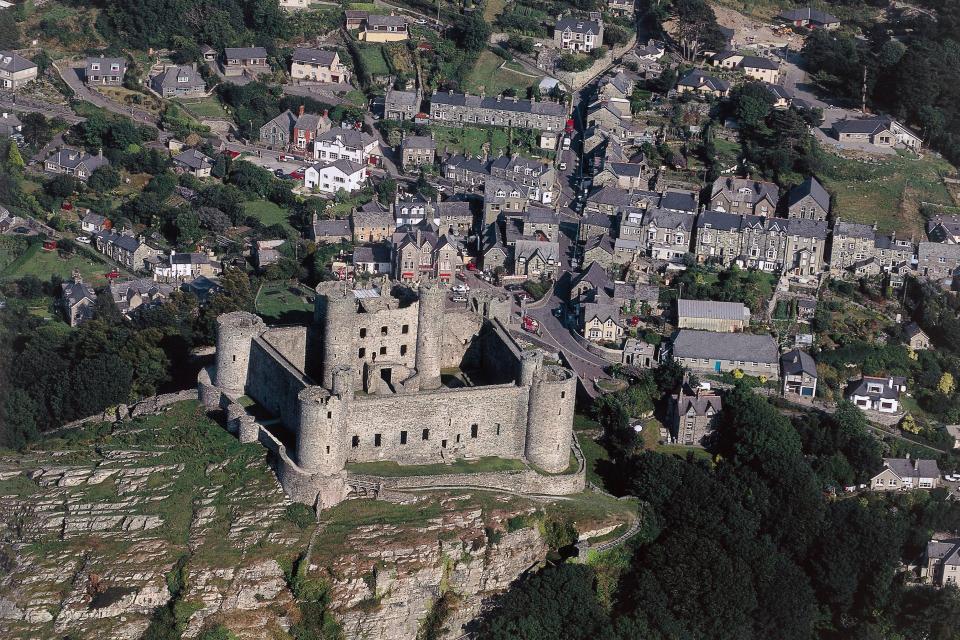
{"x":390,"y":374}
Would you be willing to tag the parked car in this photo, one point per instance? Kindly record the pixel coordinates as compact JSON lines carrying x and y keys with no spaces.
{"x":279,"y":173}
{"x":82,"y":239}
{"x":285,"y":157}
{"x":530,"y":325}
{"x":461,"y":288}
{"x":458,"y":298}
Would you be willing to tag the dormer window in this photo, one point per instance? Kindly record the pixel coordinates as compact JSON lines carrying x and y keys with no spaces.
{"x":95,"y":66}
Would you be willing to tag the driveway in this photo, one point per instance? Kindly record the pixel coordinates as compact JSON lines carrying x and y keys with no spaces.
{"x":72,"y":76}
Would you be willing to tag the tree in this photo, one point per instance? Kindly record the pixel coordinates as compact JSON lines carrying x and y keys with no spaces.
{"x":213,"y":219}
{"x":14,"y":159}
{"x":9,"y":31}
{"x":946,"y":385}
{"x":104,"y":179}
{"x":471,"y":32}
{"x":386,"y":189}
{"x":751,"y":103}
{"x":697,"y":27}
{"x":36,"y":129}
{"x":62,"y":186}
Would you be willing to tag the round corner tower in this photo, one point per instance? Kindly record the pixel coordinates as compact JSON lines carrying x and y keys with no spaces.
{"x":530,"y":362}
{"x":429,"y":335}
{"x":235,"y":331}
{"x":550,"y":418}
{"x":320,"y":445}
{"x":335,"y":311}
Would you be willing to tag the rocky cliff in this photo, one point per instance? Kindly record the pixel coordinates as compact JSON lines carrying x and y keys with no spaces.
{"x":167,"y":521}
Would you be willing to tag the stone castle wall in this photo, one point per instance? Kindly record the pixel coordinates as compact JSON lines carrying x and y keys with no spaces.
{"x":291,"y":342}
{"x":274,"y":382}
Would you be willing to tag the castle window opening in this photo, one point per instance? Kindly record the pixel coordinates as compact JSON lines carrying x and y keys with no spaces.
{"x":383,"y":351}
{"x":363,"y":332}
{"x":458,"y":438}
{"x":425,"y":435}
{"x":361,"y":352}
{"x":563,"y":394}
{"x":328,"y":449}
{"x":329,"y":414}
{"x":355,"y":442}
{"x":403,"y":349}
{"x":234,"y":358}
{"x":405,"y":329}
{"x":498,"y":428}
{"x":473,"y":430}
{"x":376,"y":439}
{"x":383,"y":331}
{"x":443,"y":444}
{"x":403,"y":437}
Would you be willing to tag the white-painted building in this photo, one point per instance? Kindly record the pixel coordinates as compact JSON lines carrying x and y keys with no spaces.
{"x":345,"y":144}
{"x":331,"y":177}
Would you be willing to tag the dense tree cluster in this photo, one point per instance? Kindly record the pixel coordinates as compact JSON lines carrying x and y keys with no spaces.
{"x":751,"y":287}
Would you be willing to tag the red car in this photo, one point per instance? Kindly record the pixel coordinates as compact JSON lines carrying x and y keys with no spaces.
{"x":67,"y":206}
{"x":530,"y":325}
{"x":297,"y":175}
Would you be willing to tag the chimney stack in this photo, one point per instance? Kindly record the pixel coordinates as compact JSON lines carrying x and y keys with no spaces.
{"x":300,"y":111}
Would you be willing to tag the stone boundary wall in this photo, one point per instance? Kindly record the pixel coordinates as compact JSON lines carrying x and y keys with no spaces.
{"x":574,"y":79}
{"x":524,"y":482}
{"x":610,"y":355}
{"x":143,"y":407}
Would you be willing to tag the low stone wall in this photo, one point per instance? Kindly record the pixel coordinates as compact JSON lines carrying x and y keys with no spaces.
{"x":575,"y":79}
{"x":143,"y":407}
{"x":610,"y":355}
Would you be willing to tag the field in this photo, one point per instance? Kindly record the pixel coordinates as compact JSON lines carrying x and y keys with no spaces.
{"x":493,"y":8}
{"x":487,"y":77}
{"x":392,"y":469}
{"x":44,"y":264}
{"x":283,"y":303}
{"x":266,"y":212}
{"x":203,"y":107}
{"x":889,"y":192}
{"x":371,"y":57}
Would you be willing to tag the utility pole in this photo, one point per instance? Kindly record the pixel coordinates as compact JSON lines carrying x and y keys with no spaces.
{"x":863,"y":93}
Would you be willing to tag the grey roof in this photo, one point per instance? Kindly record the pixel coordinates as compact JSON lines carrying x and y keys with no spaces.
{"x":913,"y":329}
{"x":122,"y":290}
{"x":578,"y":25}
{"x":603,"y":243}
{"x":712,"y":310}
{"x":189,"y":258}
{"x":595,"y":275}
{"x":808,"y":228}
{"x":285,"y":121}
{"x":853,"y":230}
{"x":596,"y":219}
{"x":887,"y":391}
{"x":779,"y":91}
{"x":378,"y":20}
{"x":643,"y":292}
{"x":541,"y":216}
{"x":755,"y":62}
{"x":404,"y":98}
{"x":349,"y":137}
{"x":697,"y":78}
{"x":170,"y":77}
{"x":419,"y":142}
{"x":453,"y":208}
{"x":626,"y":169}
{"x":314,"y":56}
{"x":244,"y":53}
{"x":936,"y":250}
{"x":700,"y":403}
{"x":679,"y":201}
{"x":94,"y":219}
{"x":193,"y":159}
{"x":796,"y":362}
{"x":14,"y":62}
{"x":811,"y":15}
{"x":499,"y":104}
{"x":492,"y":185}
{"x":758,"y":189}
{"x":810,"y":187}
{"x":74,"y":292}
{"x":947,"y":551}
{"x":366,"y":216}
{"x":106,"y":63}
{"x":122,"y":240}
{"x":347,"y":167}
{"x":862,"y":125}
{"x":615,"y":196}
{"x":719,"y":220}
{"x":520,"y":165}
{"x":468,"y":163}
{"x":310,"y":121}
{"x":373,"y":253}
{"x":548,"y":250}
{"x":602,"y":312}
{"x":666,"y":219}
{"x":73,"y":158}
{"x":913,"y":468}
{"x":331,"y":228}
{"x":690,"y":343}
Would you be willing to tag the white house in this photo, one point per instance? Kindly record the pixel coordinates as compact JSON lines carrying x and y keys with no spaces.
{"x":878,"y":394}
{"x":345,"y":144}
{"x":331,"y":177}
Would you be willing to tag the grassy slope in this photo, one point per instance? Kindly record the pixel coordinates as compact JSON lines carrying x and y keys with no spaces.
{"x":44,"y":264}
{"x":482,"y":465}
{"x":267,"y":212}
{"x":279,"y":304}
{"x":487,"y":77}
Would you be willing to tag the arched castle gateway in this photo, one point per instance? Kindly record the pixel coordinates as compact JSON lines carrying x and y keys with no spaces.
{"x":401,"y":379}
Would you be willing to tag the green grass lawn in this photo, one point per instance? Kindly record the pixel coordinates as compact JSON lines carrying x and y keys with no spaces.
{"x":44,"y":264}
{"x":480,"y":465}
{"x":373,"y":60}
{"x":678,"y":450}
{"x":283,"y":303}
{"x":594,"y":453}
{"x":492,"y":8}
{"x":487,"y":77}
{"x":888,"y":193}
{"x":470,"y":140}
{"x":208,"y":107}
{"x":266,"y":212}
{"x":582,"y":422}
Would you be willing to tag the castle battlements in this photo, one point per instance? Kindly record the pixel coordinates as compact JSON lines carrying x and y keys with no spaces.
{"x":391,"y":375}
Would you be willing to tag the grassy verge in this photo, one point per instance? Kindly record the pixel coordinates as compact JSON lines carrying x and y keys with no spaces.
{"x":35,"y":261}
{"x":283,"y":303}
{"x":487,"y":77}
{"x":208,"y":107}
{"x":480,"y":465}
{"x":594,"y":453}
{"x":266,"y":212}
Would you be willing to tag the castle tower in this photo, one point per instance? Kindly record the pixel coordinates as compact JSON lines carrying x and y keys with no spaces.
{"x":429,"y":335}
{"x":320,"y":444}
{"x":530,"y":363}
{"x":235,"y":331}
{"x":336,"y":310}
{"x":550,"y":418}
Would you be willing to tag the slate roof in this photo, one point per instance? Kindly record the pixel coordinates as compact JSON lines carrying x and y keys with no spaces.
{"x":105,"y":64}
{"x":615,"y":196}
{"x":468,"y":163}
{"x":796,"y":362}
{"x":935,"y":250}
{"x":812,"y":15}
{"x":666,"y":219}
{"x":697,"y":78}
{"x":499,"y":104}
{"x":347,"y":167}
{"x":810,"y":187}
{"x":189,"y":258}
{"x":700,"y":403}
{"x":244,"y":53}
{"x":548,"y":250}
{"x":719,"y":220}
{"x":578,"y":25}
{"x":758,"y":189}
{"x":374,"y":253}
{"x":122,"y":290}
{"x":602,"y":312}
{"x":331,"y":228}
{"x":74,"y":292}
{"x":285,"y":121}
{"x":72,"y":158}
{"x":596,"y":219}
{"x":948,"y":551}
{"x":310,"y":122}
{"x":595,"y":274}
{"x":170,"y":78}
{"x":679,"y":201}
{"x":853,"y":230}
{"x":349,"y":137}
{"x":626,"y":169}
{"x":712,"y":310}
{"x":94,"y":219}
{"x":419,"y":142}
{"x":808,"y":228}
{"x":862,"y":125}
{"x":125,"y":242}
{"x":403,"y":98}
{"x":194,"y":159}
{"x":755,"y":62}
{"x":453,"y":208}
{"x":887,"y":391}
{"x":314,"y":56}
{"x":913,"y":468}
{"x":14,"y":62}
{"x":379,"y":20}
{"x":690,"y":343}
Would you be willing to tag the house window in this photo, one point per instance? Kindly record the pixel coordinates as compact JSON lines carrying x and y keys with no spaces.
{"x":376,"y":439}
{"x":473,"y":430}
{"x":403,"y":437}
{"x":355,"y":442}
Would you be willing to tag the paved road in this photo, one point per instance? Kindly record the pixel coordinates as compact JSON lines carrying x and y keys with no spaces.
{"x":72,"y":76}
{"x":12,"y":102}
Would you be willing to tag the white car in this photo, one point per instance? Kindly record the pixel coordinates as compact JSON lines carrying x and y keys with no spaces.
{"x":83,"y":239}
{"x":460,"y":288}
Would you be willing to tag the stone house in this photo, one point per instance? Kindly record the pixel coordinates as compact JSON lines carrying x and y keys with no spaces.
{"x":496,"y":253}
{"x":601,"y":322}
{"x":593,"y":224}
{"x":536,"y":258}
{"x":937,"y":261}
{"x":10,"y":125}
{"x":712,"y":352}
{"x":456,"y":109}
{"x":808,"y":201}
{"x":852,"y":242}
{"x":105,"y":71}
{"x":249,"y":61}
{"x":637,"y":353}
{"x":743,"y":195}
{"x":877,"y":394}
{"x":183,"y":266}
{"x":698,"y":82}
{"x":942,"y":562}
{"x":182,"y":81}
{"x":466,"y":171}
{"x":612,"y":200}
{"x":454,"y":217}
{"x":763,"y":242}
{"x":619,"y":86}
{"x":345,"y":144}
{"x":307,"y":128}
{"x":668,"y":234}
{"x":330,"y":231}
{"x":336,"y":175}
{"x":942,"y":228}
{"x":917,"y":339}
{"x":74,"y":162}
{"x":590,"y":284}
{"x":625,"y":175}
{"x":92,"y":223}
{"x":278,"y":132}
{"x":799,"y":373}
{"x":718,"y":237}
{"x":881,"y":131}
{"x":810,"y":18}
{"x":804,"y":254}
{"x":355,"y":19}
{"x":383,"y":28}
{"x":373,"y":259}
{"x":124,"y":249}
{"x":401,"y":105}
{"x":15,"y":70}
{"x":694,"y":415}
{"x":318,"y":65}
{"x":903,"y":474}
{"x":78,"y":300}
{"x":132,"y":295}
{"x":578,"y":35}
{"x":372,"y":223}
{"x":680,"y":201}
{"x":602,"y":250}
{"x":502,"y":197}
{"x":760,"y":69}
{"x":416,"y":151}
{"x":420,"y":252}
{"x":539,"y":176}
{"x":712,"y":316}
{"x":541,"y":224}
{"x":620,"y":7}
{"x":194,"y":162}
